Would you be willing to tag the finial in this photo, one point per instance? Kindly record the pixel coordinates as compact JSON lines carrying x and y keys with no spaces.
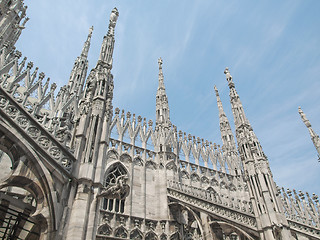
{"x":160,"y":63}
{"x":304,"y":118}
{"x":113,"y":20}
{"x":114,"y":17}
{"x":216,"y":90}
{"x":161,"y":84}
{"x":86,"y":46}
{"x":90,"y":31}
{"x":226,"y":70}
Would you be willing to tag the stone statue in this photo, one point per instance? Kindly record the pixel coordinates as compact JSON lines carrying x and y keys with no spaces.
{"x":114,"y":17}
{"x":118,"y":190}
{"x":227,"y":73}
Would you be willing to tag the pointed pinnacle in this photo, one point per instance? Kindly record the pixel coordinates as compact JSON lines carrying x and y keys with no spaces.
{"x":90,"y":31}
{"x":161,"y":83}
{"x":160,"y":62}
{"x":216,"y":90}
{"x":86,"y":46}
{"x":304,"y":118}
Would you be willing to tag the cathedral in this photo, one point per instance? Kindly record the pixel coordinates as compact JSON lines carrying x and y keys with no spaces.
{"x":73,"y":167}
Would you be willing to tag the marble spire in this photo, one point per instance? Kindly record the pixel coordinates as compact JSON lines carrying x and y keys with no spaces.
{"x":314,"y":137}
{"x":162,"y":105}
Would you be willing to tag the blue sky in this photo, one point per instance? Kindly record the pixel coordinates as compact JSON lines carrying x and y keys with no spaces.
{"x":271,"y":48}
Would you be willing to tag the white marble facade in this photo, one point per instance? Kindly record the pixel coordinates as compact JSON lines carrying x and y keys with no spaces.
{"x":72,"y":167}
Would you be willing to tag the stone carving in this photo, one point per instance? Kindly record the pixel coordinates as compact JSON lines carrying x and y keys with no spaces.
{"x":136,"y":234}
{"x":151,"y":165}
{"x":44,"y":142}
{"x":33,"y":132}
{"x":62,"y":134}
{"x":12,"y":111}
{"x":151,"y":236}
{"x":163,"y":236}
{"x":119,"y":190}
{"x":28,"y":104}
{"x":105,"y":230}
{"x":66,"y":163}
{"x":55,"y":152}
{"x":23,"y":121}
{"x":121,"y":232}
{"x":3,"y":101}
{"x":138,"y":161}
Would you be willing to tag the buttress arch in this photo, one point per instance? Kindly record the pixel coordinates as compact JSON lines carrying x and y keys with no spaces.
{"x":29,"y":173}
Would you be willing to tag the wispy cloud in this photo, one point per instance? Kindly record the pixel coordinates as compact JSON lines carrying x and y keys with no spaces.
{"x":271,"y":48}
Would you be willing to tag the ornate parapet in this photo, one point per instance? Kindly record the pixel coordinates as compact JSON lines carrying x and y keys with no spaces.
{"x":126,"y":127}
{"x":304,"y":229}
{"x":302,"y":211}
{"x":36,"y":96}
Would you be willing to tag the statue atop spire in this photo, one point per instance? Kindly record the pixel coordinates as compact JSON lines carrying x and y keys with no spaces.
{"x":314,"y":137}
{"x":228,"y":77}
{"x":113,"y":20}
{"x":107,"y":46}
{"x":161,"y":83}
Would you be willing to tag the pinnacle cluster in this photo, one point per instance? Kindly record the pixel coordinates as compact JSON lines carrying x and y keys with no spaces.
{"x":75,"y":168}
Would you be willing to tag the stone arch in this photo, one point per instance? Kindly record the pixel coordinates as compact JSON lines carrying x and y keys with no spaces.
{"x":31,"y":174}
{"x":11,"y":149}
{"x":151,"y":236}
{"x":116,"y":169}
{"x":175,"y":236}
{"x":211,"y":190}
{"x":195,"y":177}
{"x":185,"y":215}
{"x":6,"y":166}
{"x":112,"y":155}
{"x":171,"y":166}
{"x":232,"y":229}
{"x":25,"y":183}
{"x":136,"y":234}
{"x":105,"y":229}
{"x":163,"y":236}
{"x":151,"y":165}
{"x":205,"y":180}
{"x":125,"y":158}
{"x":138,"y":161}
{"x":116,"y":187}
{"x":121,"y":232}
{"x":184,"y":174}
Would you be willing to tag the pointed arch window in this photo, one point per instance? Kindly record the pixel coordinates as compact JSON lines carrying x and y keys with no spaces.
{"x":112,"y":204}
